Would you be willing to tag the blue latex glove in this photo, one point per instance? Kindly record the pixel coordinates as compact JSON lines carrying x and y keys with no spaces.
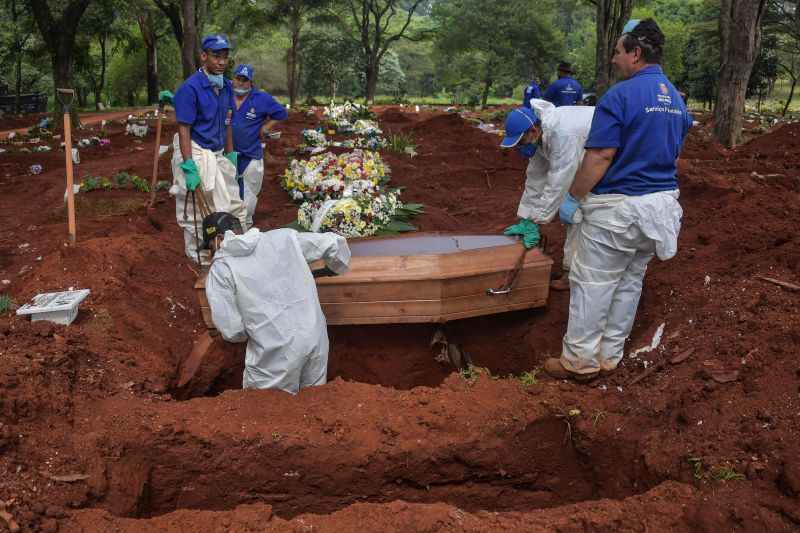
{"x":191,"y":174}
{"x":527,"y":229}
{"x":568,"y":208}
{"x":233,"y":157}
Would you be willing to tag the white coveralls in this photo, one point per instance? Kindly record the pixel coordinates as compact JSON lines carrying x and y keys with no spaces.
{"x":218,"y":180}
{"x":618,"y":236}
{"x":552,"y":168}
{"x":253,"y":177}
{"x":260,"y":289}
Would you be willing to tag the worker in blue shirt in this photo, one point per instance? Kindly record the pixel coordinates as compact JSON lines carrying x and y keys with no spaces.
{"x":255,"y":112}
{"x":204,"y":156}
{"x":565,"y":90}
{"x":625,"y":200}
{"x":531,"y":91}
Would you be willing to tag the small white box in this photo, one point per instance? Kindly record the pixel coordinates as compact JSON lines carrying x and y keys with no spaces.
{"x":58,"y":307}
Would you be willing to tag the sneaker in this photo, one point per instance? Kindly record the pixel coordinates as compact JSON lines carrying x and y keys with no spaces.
{"x":554,"y":369}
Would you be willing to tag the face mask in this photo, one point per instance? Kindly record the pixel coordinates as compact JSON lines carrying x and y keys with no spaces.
{"x":527,"y":150}
{"x":241,"y":92}
{"x":216,"y":80}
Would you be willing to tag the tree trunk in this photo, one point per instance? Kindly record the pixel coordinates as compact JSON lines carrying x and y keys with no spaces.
{"x":189,"y":47}
{"x":611,"y":18}
{"x":98,"y":88}
{"x":18,"y":84}
{"x":740,"y":32}
{"x":291,"y":59}
{"x":487,"y":85}
{"x":371,"y":74}
{"x":790,"y":97}
{"x":145,"y":21}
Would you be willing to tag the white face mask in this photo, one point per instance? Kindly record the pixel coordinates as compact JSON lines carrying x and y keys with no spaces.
{"x":241,"y":92}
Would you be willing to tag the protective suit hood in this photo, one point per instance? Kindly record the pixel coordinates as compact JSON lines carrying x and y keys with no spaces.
{"x":239,"y":245}
{"x":542,"y":108}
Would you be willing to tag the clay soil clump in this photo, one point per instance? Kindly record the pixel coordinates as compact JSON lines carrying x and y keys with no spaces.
{"x":94,"y":436}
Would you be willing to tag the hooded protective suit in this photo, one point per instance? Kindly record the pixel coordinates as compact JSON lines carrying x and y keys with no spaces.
{"x":261,"y":290}
{"x":552,"y":169}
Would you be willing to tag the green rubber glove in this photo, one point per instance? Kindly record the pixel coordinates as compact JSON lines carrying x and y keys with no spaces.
{"x":165,"y":97}
{"x":528,"y":230}
{"x":190,"y":174}
{"x":233,"y":157}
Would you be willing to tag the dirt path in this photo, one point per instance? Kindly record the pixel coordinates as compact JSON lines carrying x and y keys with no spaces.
{"x":87,"y":119}
{"x":397,"y":442}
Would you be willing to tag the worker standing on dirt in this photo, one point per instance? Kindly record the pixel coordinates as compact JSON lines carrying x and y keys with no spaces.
{"x":255,"y":112}
{"x":531,"y":91}
{"x":565,"y":90}
{"x":625,"y":196}
{"x":552,"y":138}
{"x":202,"y":107}
{"x":261,"y":290}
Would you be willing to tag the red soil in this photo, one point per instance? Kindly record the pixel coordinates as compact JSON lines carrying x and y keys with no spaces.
{"x":364,"y":452}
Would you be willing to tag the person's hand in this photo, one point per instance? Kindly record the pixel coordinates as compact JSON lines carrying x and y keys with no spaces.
{"x":165,"y":97}
{"x":527,"y":229}
{"x":568,"y":209}
{"x":233,"y":157}
{"x":190,"y":174}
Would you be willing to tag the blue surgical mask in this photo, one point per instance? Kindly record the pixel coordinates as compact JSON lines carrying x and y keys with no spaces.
{"x":527,"y":150}
{"x":216,"y":79}
{"x":241,"y":92}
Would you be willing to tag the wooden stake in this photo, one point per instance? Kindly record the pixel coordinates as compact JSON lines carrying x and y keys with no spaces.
{"x":160,"y":112}
{"x":69,"y":93}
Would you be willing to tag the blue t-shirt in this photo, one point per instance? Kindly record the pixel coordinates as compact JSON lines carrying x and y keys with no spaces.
{"x":197,"y":105}
{"x":531,"y":91}
{"x":564,"y":91}
{"x":256,"y":109}
{"x":645,"y":119}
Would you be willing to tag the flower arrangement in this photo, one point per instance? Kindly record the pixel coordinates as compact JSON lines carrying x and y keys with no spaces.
{"x":314,"y":138}
{"x":327,"y":176}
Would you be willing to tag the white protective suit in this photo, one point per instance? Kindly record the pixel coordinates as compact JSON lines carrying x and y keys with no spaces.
{"x":618,"y":236}
{"x":260,"y":289}
{"x":218,"y":180}
{"x":552,"y":169}
{"x":253,"y":178}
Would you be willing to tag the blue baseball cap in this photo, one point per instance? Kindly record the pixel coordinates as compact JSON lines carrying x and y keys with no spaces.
{"x":244,"y":70}
{"x":215,"y":42}
{"x":518,"y":121}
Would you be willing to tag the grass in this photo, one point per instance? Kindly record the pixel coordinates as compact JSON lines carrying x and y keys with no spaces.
{"x":402,"y":143}
{"x":726,"y":474}
{"x":5,"y":303}
{"x":721,"y":473}
{"x":529,"y":378}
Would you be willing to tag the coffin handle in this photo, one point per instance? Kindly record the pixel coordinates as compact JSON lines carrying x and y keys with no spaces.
{"x":497,"y":292}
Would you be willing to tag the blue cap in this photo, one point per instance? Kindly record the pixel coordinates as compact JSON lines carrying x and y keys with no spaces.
{"x":518,"y":121}
{"x":630,"y":25}
{"x":244,"y":70}
{"x":215,"y":42}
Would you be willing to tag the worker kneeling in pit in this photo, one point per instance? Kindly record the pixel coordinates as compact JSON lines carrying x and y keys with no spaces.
{"x":199,"y":165}
{"x":261,"y":291}
{"x":552,"y":138}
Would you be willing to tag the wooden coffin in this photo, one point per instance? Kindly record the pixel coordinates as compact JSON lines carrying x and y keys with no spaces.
{"x":429,"y":278}
{"x":434,"y":278}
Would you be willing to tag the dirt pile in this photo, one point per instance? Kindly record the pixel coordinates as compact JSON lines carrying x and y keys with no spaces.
{"x":93,"y":438}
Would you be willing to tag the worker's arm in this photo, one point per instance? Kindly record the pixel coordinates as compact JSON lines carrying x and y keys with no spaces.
{"x":593,"y":168}
{"x":329,"y":247}
{"x":267,"y":128}
{"x":221,"y":295}
{"x":229,"y":134}
{"x":185,"y":140}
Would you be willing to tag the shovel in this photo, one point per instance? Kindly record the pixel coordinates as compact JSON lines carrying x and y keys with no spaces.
{"x":159,"y":114}
{"x":65,"y":97}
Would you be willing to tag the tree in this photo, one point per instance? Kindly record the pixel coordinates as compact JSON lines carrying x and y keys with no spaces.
{"x":329,"y":60}
{"x":17,"y":31}
{"x":611,"y":16}
{"x":58,"y":32}
{"x":183,"y":18}
{"x":521,"y":42}
{"x":370,"y":24}
{"x":782,"y":20}
{"x":98,"y":24}
{"x":740,"y":38}
{"x":147,"y":27}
